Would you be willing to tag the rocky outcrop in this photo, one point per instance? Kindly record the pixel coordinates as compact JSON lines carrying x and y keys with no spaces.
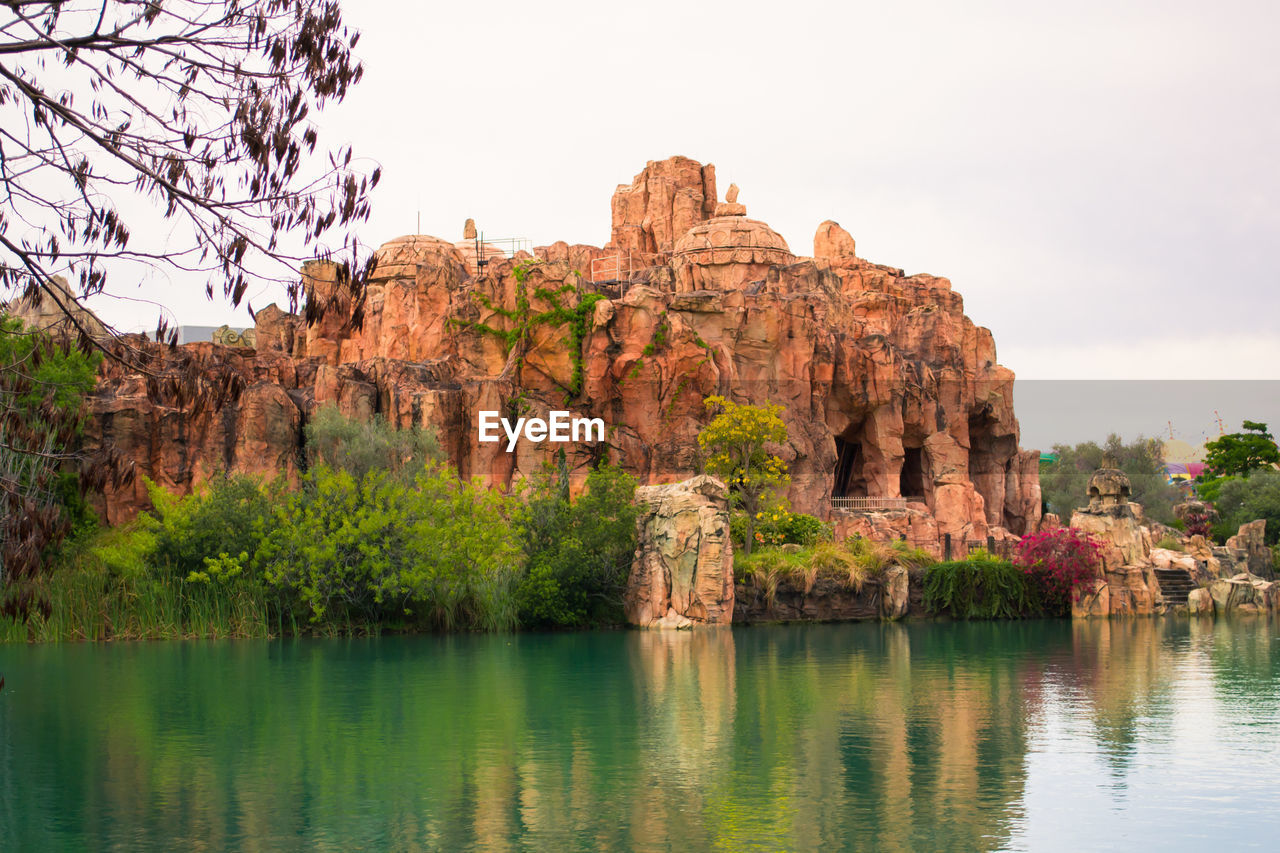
{"x":889,"y":390}
{"x":1130,"y":570}
{"x":682,"y":573}
{"x":1126,"y":584}
{"x":1200,"y":602}
{"x":664,"y":201}
{"x":1244,"y":593}
{"x":1248,"y":547}
{"x":56,"y":310}
{"x":895,"y":598}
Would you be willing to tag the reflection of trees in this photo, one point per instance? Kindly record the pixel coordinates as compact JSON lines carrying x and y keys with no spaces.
{"x":892,"y":737}
{"x":1241,"y":660}
{"x":1124,"y":671}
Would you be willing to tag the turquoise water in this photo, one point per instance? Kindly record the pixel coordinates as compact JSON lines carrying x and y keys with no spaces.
{"x":1037,"y":736}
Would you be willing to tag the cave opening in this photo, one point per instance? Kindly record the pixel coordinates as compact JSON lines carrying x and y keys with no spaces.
{"x":911,"y":481}
{"x":849,"y":481}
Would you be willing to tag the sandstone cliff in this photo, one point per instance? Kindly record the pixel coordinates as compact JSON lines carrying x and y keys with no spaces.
{"x":890,"y":391}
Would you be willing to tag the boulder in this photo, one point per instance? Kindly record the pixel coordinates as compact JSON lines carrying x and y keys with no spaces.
{"x":1244,"y":593}
{"x":1092,"y":603}
{"x":1200,"y":602}
{"x":1164,"y":558}
{"x":896,"y":595}
{"x":834,"y":244}
{"x":1250,"y":543}
{"x":682,"y":572}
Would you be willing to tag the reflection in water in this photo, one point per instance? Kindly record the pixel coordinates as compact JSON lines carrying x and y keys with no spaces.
{"x":892,"y":737}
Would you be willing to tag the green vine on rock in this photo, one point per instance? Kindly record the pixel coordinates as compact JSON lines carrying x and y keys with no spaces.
{"x":522,"y":320}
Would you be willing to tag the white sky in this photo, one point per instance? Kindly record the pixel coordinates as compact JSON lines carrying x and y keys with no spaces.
{"x":1096,"y":178}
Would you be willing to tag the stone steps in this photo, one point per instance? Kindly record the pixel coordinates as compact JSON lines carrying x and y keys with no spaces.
{"x":1175,"y":585}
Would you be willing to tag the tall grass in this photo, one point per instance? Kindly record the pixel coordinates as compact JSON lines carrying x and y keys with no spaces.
{"x":90,"y":603}
{"x":850,"y":563}
{"x":980,"y":587}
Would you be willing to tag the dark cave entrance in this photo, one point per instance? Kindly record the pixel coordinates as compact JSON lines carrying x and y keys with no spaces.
{"x":849,"y":480}
{"x":911,"y":481}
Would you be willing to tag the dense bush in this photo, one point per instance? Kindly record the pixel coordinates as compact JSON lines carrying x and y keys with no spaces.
{"x":981,"y":587}
{"x":579,"y":552}
{"x":358,"y":447}
{"x":1244,"y":499}
{"x":43,"y":386}
{"x":384,"y":539}
{"x":229,"y":516}
{"x":1059,"y":563}
{"x":438,"y":552}
{"x":777,"y":525}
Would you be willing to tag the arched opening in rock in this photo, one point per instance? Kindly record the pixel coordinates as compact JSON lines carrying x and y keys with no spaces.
{"x":911,"y":481}
{"x":849,"y":482}
{"x":990,"y":454}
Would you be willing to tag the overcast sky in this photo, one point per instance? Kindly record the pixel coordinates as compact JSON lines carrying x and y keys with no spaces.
{"x":1098,"y":179}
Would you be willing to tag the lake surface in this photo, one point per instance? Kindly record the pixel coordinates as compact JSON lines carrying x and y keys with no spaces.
{"x":1042,"y":736}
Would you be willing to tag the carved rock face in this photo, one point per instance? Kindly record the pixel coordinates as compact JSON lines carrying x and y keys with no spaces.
{"x":1108,"y":487}
{"x":726,"y":252}
{"x":682,"y":573}
{"x":399,"y":258}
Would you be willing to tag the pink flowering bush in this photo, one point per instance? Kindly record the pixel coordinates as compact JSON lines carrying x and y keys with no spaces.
{"x":1059,"y":562}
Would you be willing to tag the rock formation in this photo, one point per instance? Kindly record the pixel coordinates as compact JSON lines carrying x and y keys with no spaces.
{"x":1135,"y":579}
{"x":682,"y":573}
{"x":890,"y":391}
{"x":55,"y":310}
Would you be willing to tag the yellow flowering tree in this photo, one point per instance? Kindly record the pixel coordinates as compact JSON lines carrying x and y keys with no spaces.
{"x":735,"y":444}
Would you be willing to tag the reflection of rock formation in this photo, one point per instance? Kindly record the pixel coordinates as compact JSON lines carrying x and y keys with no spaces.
{"x":688,"y":681}
{"x":889,"y":390}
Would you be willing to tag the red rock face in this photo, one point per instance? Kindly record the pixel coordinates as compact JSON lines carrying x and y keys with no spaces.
{"x":889,"y":389}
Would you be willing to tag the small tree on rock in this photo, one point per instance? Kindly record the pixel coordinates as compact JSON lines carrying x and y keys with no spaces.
{"x":736,"y":442}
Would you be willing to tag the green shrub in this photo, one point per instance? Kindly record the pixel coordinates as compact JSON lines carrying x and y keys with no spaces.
{"x":1244,"y":499}
{"x":43,"y":386}
{"x":873,"y":557}
{"x":103,"y":588}
{"x":438,"y":552}
{"x":799,"y":528}
{"x":124,"y":551}
{"x":359,"y":447}
{"x":978,"y":588}
{"x":1169,"y":543}
{"x":579,"y":552}
{"x":911,"y":557}
{"x":835,"y":561}
{"x":765,"y":568}
{"x":230,"y":516}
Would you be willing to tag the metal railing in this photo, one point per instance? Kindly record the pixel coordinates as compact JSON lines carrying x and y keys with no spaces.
{"x":506,"y":245}
{"x":623,"y":266}
{"x":865,"y":504}
{"x":488,"y":248}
